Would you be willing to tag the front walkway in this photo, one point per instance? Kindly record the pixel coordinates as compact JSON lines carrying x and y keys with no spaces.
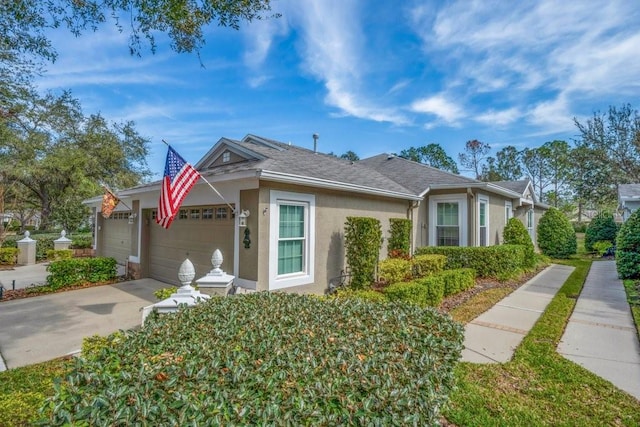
{"x":601,"y":335}
{"x":493,"y":336}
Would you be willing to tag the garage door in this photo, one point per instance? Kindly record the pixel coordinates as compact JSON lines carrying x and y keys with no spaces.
{"x":195,"y":233}
{"x":116,"y":237}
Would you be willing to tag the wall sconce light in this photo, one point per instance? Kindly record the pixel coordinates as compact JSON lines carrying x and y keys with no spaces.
{"x":132,"y":217}
{"x":242,"y":218}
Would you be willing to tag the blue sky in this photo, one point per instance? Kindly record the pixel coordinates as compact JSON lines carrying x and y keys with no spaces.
{"x":369,"y":76}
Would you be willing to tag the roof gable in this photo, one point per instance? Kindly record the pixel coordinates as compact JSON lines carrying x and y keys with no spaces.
{"x":216,"y":157}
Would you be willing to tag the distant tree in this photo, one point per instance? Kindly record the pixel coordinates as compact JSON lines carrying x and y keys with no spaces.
{"x":589,"y":181}
{"x":504,"y":167}
{"x":534,"y":162}
{"x":472,"y":159}
{"x":350,"y":155}
{"x":432,"y":155}
{"x":557,"y":168}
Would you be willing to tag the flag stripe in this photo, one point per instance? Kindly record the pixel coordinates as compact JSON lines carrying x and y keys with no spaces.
{"x":179,"y":179}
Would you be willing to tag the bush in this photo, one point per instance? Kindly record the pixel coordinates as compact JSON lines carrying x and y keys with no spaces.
{"x":59,"y":254}
{"x":602,"y":247}
{"x":399,"y":237}
{"x":82,"y":242}
{"x":515,"y":233}
{"x":425,"y":265}
{"x":226,"y":362}
{"x":8,"y":256}
{"x":500,"y":261}
{"x":425,"y":292}
{"x":363,"y":240}
{"x":69,"y":272}
{"x":93,"y":347}
{"x":361,"y":294}
{"x":165,"y":293}
{"x":579,"y":227}
{"x":393,"y":270}
{"x":556,"y":237}
{"x":602,"y":228}
{"x":459,"y":280}
{"x":628,"y":248}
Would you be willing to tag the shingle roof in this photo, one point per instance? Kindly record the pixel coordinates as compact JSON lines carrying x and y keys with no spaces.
{"x":517,"y":186}
{"x":629,"y":191}
{"x":415,"y":176}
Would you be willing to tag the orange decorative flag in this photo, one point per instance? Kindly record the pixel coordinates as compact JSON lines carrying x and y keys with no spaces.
{"x":109,"y":202}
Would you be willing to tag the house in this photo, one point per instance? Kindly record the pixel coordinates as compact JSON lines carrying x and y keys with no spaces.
{"x":296,"y":202}
{"x":628,"y":199}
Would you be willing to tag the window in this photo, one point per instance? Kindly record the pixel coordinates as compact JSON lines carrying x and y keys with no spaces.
{"x":195,"y":213}
{"x":483,"y":221}
{"x":508,"y":211}
{"x":154,"y":214}
{"x":207,"y":213}
{"x":221,"y":213}
{"x":448,"y":226}
{"x":530,"y":224}
{"x":226,"y":156}
{"x":448,"y":220}
{"x":292,"y":239}
{"x":183,"y":214}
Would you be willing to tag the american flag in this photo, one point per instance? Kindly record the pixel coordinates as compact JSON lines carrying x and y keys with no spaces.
{"x":179,"y":178}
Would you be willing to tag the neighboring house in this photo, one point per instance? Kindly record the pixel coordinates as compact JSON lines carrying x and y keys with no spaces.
{"x":628,"y":199}
{"x":298,"y":202}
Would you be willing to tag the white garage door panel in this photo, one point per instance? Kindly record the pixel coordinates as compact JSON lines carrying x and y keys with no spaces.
{"x":195,"y":239}
{"x":116,"y":238}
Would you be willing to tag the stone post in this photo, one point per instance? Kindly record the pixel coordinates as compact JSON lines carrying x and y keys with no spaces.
{"x":26,"y":250}
{"x":187,"y":294}
{"x":62,"y":243}
{"x":216,"y":282}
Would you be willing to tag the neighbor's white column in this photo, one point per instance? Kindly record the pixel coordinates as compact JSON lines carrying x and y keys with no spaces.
{"x":62,"y":243}
{"x":26,"y":250}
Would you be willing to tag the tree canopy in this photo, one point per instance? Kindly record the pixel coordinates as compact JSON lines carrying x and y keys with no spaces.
{"x":432,"y":155}
{"x":474,"y":153}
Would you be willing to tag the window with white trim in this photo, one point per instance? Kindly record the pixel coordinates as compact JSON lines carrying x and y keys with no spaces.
{"x":530,"y":224}
{"x":483,"y":221}
{"x":508,"y":211}
{"x":448,"y":219}
{"x":292,"y":239}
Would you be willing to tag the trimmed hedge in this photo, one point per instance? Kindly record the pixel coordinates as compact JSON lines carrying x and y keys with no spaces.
{"x":363,"y":294}
{"x":425,"y":292}
{"x":43,"y":244}
{"x":8,"y":256}
{"x":556,"y":237}
{"x":515,"y":233}
{"x":59,"y":254}
{"x":68,"y":272}
{"x":393,"y":270}
{"x":82,"y":242}
{"x":500,"y":261}
{"x":427,"y":264}
{"x":459,"y":280}
{"x":227,"y":362}
{"x":362,"y":240}
{"x":399,"y":237}
{"x":628,"y":248}
{"x":602,"y":228}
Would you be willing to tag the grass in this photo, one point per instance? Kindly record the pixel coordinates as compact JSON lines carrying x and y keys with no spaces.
{"x":632,"y":287}
{"x":540,"y":387}
{"x":23,"y":391}
{"x":478,"y":304}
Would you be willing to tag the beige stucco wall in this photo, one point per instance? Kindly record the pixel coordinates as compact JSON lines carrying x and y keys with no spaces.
{"x":248,"y":265}
{"x":331,"y":211}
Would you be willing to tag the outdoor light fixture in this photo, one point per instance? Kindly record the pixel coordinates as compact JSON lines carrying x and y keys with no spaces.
{"x":132,"y":217}
{"x":242,"y":218}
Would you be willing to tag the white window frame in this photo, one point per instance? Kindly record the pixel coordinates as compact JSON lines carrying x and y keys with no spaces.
{"x":484,"y":199}
{"x":508,"y":211}
{"x":531,"y":221}
{"x":461,"y":200}
{"x":278,"y":198}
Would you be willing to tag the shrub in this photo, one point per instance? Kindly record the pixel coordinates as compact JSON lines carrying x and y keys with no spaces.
{"x":459,"y":280}
{"x":93,"y":346}
{"x":68,"y":272}
{"x":363,"y":240}
{"x":500,"y":261}
{"x":8,"y":256}
{"x":424,"y":265}
{"x":628,"y":248}
{"x":602,"y":247}
{"x":165,"y":293}
{"x":43,"y":244}
{"x":59,"y":254}
{"x":226,"y":362}
{"x":515,"y":233}
{"x":82,"y":242}
{"x":579,"y":227}
{"x":393,"y":270}
{"x":602,"y":228}
{"x":399,"y":244}
{"x":428,"y":291}
{"x":556,"y":237}
{"x":362,"y":294}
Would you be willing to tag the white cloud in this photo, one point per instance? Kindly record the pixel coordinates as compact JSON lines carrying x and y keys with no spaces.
{"x":439,"y":106}
{"x":499,"y":117}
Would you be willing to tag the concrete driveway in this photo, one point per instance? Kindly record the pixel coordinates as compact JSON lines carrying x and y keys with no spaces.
{"x":37,"y":329}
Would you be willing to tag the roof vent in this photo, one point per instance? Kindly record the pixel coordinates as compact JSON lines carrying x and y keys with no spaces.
{"x":390,"y":156}
{"x":315,"y":142}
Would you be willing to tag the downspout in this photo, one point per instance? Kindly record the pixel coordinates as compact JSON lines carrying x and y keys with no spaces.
{"x":410,"y":214}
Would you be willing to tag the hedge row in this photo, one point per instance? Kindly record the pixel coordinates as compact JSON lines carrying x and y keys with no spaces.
{"x":431,"y":290}
{"x":226,"y":362}
{"x":500,"y":261}
{"x":8,"y":256}
{"x":43,"y":244}
{"x":68,"y":272}
{"x":393,"y":270}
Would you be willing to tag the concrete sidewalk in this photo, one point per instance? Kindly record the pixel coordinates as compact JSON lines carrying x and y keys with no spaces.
{"x":601,"y":335}
{"x":493,"y":336}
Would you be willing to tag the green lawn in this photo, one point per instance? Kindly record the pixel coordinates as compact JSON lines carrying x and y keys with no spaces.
{"x":540,"y":387}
